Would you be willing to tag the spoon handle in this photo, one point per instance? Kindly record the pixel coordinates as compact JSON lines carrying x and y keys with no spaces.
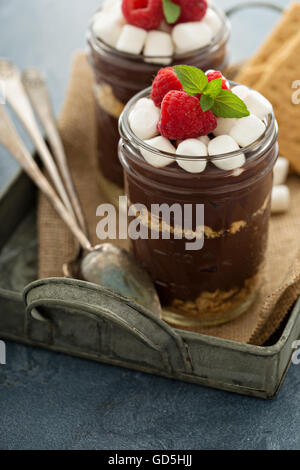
{"x":37,"y":91}
{"x":11,"y":140}
{"x":17,"y":98}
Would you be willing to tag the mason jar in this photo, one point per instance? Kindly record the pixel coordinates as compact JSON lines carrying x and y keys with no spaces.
{"x":220,"y":280}
{"x":119,"y":76}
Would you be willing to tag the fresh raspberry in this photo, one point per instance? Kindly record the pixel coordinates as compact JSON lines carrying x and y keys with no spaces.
{"x":182,"y":117}
{"x":191,"y":10}
{"x":165,"y":81}
{"x":146,"y":14}
{"x":216,"y":74}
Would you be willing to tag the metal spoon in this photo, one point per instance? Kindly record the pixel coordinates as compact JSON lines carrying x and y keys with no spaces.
{"x":37,"y":91}
{"x":18,"y":100}
{"x":107,"y":265}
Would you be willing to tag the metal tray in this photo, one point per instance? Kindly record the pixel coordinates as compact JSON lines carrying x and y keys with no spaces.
{"x":85,"y":320}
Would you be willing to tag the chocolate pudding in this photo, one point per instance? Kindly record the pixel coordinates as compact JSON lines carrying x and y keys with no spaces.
{"x":120,"y":75}
{"x":214,"y":284}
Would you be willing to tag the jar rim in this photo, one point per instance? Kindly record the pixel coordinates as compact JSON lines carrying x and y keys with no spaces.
{"x":220,"y":39}
{"x":261,"y":145}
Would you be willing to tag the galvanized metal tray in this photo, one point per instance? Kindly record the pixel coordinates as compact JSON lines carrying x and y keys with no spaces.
{"x":85,"y":320}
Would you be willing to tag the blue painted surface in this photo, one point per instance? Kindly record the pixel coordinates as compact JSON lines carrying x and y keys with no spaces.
{"x":51,"y":401}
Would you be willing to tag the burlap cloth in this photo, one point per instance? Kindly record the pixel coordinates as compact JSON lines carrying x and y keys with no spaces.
{"x":281,"y":285}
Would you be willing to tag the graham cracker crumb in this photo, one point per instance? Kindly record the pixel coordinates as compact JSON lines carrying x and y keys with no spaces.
{"x":218,"y":304}
{"x":263,"y":207}
{"x":237,"y":226}
{"x":161,"y":226}
{"x":210,"y":233}
{"x":107,"y":100}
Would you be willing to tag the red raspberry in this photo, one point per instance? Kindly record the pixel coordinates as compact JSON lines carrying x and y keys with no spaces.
{"x":191,"y":10}
{"x":182,"y":117}
{"x":216,"y":74}
{"x":146,"y":14}
{"x":165,"y":81}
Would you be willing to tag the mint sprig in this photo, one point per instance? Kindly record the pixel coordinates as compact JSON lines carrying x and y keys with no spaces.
{"x":228,"y":105}
{"x":206,"y":102}
{"x":191,"y":78}
{"x":223,"y":103}
{"x":172,"y":11}
{"x":213,"y":88}
{"x":209,"y":94}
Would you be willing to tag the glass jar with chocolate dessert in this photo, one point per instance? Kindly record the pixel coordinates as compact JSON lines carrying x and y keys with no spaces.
{"x":129,"y":40}
{"x":186,"y":157}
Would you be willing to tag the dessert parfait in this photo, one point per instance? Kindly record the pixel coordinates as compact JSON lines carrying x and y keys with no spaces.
{"x":129,"y":40}
{"x":196,"y":140}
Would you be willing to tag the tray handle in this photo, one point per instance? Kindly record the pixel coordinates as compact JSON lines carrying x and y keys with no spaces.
{"x":246,"y":5}
{"x":101,"y":306}
{"x":232,"y":70}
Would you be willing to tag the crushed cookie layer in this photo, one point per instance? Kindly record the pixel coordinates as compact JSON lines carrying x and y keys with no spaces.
{"x":213,"y":308}
{"x":158,"y":225}
{"x":107,"y":100}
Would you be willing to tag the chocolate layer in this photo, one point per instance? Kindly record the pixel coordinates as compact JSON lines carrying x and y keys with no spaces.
{"x":236,"y":209}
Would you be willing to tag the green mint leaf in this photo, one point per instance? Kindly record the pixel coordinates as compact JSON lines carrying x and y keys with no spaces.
{"x":228,"y":105}
{"x":171,"y":11}
{"x":193,"y":80}
{"x":213,"y":88}
{"x":206,"y":102}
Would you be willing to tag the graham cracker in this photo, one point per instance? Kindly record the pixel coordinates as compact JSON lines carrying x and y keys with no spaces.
{"x":250,"y":75}
{"x":276,"y":85}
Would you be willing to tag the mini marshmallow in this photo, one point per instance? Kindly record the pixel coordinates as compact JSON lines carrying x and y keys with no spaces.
{"x":225,"y":144}
{"x":204,"y":139}
{"x":160,"y":143}
{"x":247,"y":130}
{"x":280,"y":200}
{"x":108,"y":26}
{"x":258,"y":105}
{"x":224,"y":126}
{"x":191,"y":36}
{"x":144,"y":118}
{"x":132,"y":39}
{"x":213,"y":21}
{"x":192,"y":147}
{"x":281,"y":170}
{"x":241,"y":91}
{"x":143,"y":102}
{"x":160,"y":46}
